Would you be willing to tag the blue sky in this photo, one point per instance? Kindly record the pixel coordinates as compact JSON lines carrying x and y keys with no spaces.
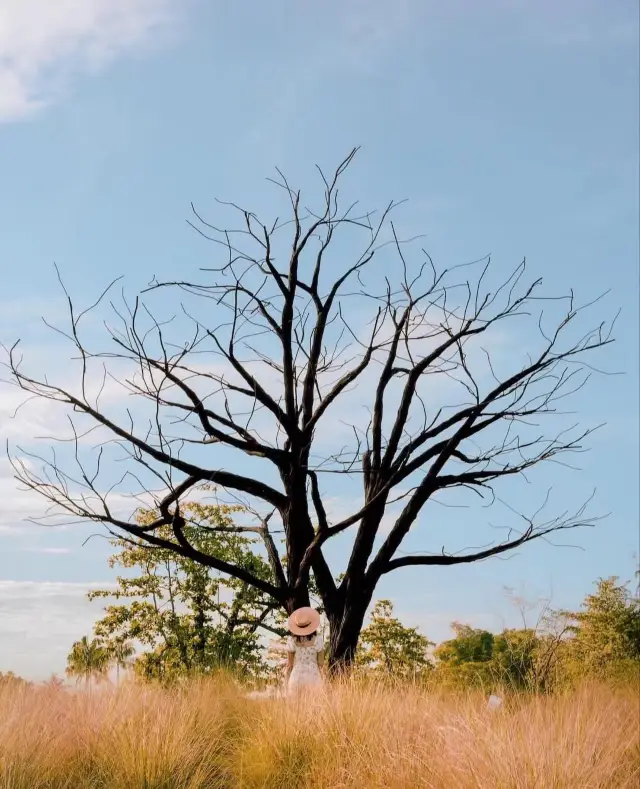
{"x":510,"y":127}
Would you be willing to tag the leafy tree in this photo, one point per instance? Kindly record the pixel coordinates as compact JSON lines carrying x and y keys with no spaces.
{"x":88,"y":660}
{"x":186,"y":616}
{"x":530,"y":657}
{"x":515,"y":658}
{"x":241,"y":389}
{"x":465,"y":660}
{"x":469,"y":645}
{"x":120,"y":654}
{"x":606,"y":632}
{"x":476,"y":657}
{"x":386,"y":645}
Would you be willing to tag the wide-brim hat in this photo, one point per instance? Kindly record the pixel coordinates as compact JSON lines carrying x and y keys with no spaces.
{"x":304,"y":621}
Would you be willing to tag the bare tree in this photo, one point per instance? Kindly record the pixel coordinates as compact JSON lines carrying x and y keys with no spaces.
{"x":248,"y":401}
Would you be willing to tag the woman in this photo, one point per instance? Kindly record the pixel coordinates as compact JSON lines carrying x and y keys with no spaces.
{"x":304,"y":651}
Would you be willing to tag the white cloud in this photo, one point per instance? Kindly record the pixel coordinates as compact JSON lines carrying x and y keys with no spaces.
{"x":23,"y":417}
{"x":40,"y":620}
{"x":17,"y":505}
{"x":24,"y":420}
{"x":44,"y":43}
{"x":37,"y":590}
{"x":26,"y":513}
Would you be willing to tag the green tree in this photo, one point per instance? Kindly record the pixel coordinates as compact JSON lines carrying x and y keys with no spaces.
{"x":88,"y":660}
{"x":120,"y":652}
{"x":386,"y":645}
{"x":522,"y":659}
{"x":516,"y":658}
{"x":465,"y":660}
{"x":470,"y":645}
{"x":606,"y":633}
{"x":187,"y":617}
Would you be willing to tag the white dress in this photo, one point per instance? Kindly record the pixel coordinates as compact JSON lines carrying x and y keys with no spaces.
{"x":305,"y":672}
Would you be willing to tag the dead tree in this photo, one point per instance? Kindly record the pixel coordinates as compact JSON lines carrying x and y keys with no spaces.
{"x":249,"y":400}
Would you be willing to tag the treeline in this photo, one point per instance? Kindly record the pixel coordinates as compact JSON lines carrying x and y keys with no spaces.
{"x":599,"y":642}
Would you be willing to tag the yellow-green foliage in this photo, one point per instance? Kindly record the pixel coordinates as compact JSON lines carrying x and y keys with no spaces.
{"x":387,"y":646}
{"x":606,"y":642}
{"x":601,"y":642}
{"x":185,"y":617}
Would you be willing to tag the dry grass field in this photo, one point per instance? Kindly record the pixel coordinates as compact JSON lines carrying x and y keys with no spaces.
{"x":209,"y":736}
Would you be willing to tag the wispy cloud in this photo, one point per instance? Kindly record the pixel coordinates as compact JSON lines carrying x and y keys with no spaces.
{"x":40,"y":620}
{"x":50,"y":551}
{"x":17,"y":505}
{"x":44,"y":44}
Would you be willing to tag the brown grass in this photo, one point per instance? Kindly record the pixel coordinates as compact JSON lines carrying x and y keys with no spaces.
{"x":208,"y":736}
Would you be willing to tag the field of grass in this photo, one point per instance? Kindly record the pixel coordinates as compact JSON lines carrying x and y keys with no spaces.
{"x":209,"y":736}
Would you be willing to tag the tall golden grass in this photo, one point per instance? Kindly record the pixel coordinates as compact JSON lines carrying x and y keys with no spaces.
{"x":208,"y":735}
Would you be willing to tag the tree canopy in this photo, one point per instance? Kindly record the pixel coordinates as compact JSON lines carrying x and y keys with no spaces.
{"x":389,"y":647}
{"x":186,"y":617}
{"x":606,"y":632}
{"x":88,"y":659}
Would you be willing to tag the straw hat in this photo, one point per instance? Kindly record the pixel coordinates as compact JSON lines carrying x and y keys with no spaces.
{"x":304,"y":621}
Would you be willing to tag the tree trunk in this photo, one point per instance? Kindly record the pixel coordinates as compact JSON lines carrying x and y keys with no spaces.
{"x":200,"y":627}
{"x":297,"y":525}
{"x":298,"y":599}
{"x":344,"y":633}
{"x":298,"y":596}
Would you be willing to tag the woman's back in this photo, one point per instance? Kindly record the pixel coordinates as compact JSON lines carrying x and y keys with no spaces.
{"x":305,"y":670}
